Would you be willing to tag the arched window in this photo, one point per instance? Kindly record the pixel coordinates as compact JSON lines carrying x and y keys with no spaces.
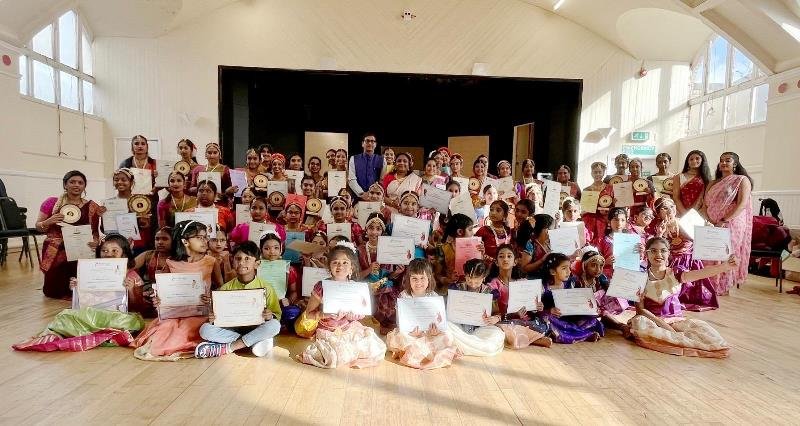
{"x":57,"y":64}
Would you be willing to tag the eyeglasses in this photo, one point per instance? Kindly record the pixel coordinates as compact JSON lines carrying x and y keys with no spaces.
{"x":658,"y":251}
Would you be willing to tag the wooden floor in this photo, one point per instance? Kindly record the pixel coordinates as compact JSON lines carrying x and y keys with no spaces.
{"x":609,"y":382}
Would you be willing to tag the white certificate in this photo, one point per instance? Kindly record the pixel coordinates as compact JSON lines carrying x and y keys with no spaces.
{"x":623,"y":194}
{"x":239,"y":179}
{"x":76,"y":242}
{"x":114,"y":206}
{"x":243,"y":213}
{"x":711,"y":243}
{"x":336,"y":181}
{"x":420,"y":313}
{"x":281,"y":186}
{"x":524,"y":294}
{"x":350,"y":297}
{"x":326,"y":215}
{"x":206,"y":217}
{"x":395,"y":250}
{"x":486,"y":182}
{"x":564,"y":240}
{"x":552,"y":197}
{"x":142,"y":181}
{"x":238,"y":308}
{"x":462,"y":204}
{"x":625,"y":254}
{"x":102,"y":274}
{"x":179,"y":295}
{"x":411,"y":227}
{"x":164,"y":168}
{"x":435,"y":198}
{"x":505,"y":187}
{"x":589,"y":200}
{"x":689,"y":221}
{"x":575,"y":301}
{"x":580,"y":226}
{"x":366,"y":208}
{"x":256,"y":229}
{"x":627,"y":284}
{"x":311,"y":276}
{"x":297,"y":177}
{"x":467,"y":307}
{"x":463,"y":184}
{"x":344,"y":229}
{"x":215,"y":177}
{"x":128,"y":226}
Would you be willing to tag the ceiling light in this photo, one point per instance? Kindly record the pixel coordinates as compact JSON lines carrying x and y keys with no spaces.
{"x":558,"y":4}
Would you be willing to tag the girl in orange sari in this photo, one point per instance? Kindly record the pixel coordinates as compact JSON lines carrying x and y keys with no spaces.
{"x":691,"y":183}
{"x":729,"y":205}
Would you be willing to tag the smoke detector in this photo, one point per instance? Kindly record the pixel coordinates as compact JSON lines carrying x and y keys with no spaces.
{"x":408,"y":15}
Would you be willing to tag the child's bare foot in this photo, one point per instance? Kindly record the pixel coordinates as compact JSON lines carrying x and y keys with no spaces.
{"x":543,"y":341}
{"x":593,"y":337}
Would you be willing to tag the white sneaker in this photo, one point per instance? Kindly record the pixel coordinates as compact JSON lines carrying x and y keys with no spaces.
{"x":262,"y":348}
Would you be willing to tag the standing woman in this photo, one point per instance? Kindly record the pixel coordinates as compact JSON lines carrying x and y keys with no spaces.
{"x":401,"y":180}
{"x":641,"y":199}
{"x":563,"y":176}
{"x":57,"y":270}
{"x":315,"y":168}
{"x":278,"y":170}
{"x":729,"y":205}
{"x":213,"y":155}
{"x":296,"y":162}
{"x":252,"y":165}
{"x":457,"y":166}
{"x":341,"y":160}
{"x":597,"y":222}
{"x":691,"y":182}
{"x":141,"y":157}
{"x":432,"y":174}
{"x":504,"y":171}
{"x":621,"y":163}
{"x":530,"y":188}
{"x":663,"y":162}
{"x":187,"y":151}
{"x":479,"y":170}
{"x":176,"y":201}
{"x":123,"y":183}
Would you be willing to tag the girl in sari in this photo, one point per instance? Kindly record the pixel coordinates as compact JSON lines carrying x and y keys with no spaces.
{"x":659,"y":324}
{"x":339,"y":207}
{"x":641,"y":199}
{"x":141,"y":160}
{"x":617,"y":223}
{"x":614,"y":312}
{"x":123,"y":183}
{"x":432,"y":174}
{"x":729,"y":205}
{"x":691,"y":183}
{"x":206,"y":194}
{"x":597,"y":222}
{"x":252,"y":165}
{"x":457,"y":166}
{"x":187,"y":151}
{"x":152,"y":262}
{"x":423,"y":349}
{"x":57,"y":270}
{"x":388,"y":162}
{"x":315,"y":168}
{"x":480,"y":172}
{"x":695,"y":295}
{"x":569,"y":187}
{"x":663,"y":162}
{"x":401,"y":180}
{"x":272,"y":249}
{"x":529,"y":187}
{"x":497,"y":232}
{"x":258,"y":214}
{"x":278,"y":171}
{"x":341,"y":160}
{"x":340,"y":340}
{"x":537,"y":247}
{"x":409,"y":206}
{"x":621,"y":163}
{"x":176,"y":201}
{"x":486,"y":339}
{"x":504,"y":171}
{"x":382,"y":278}
{"x":213,"y":156}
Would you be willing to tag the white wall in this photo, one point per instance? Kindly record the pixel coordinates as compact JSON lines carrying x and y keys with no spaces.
{"x":746,"y":141}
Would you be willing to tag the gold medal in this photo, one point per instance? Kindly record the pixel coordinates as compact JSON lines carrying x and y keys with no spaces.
{"x":140,"y":204}
{"x":667,"y":184}
{"x":640,"y":185}
{"x":615,"y":180}
{"x":182,"y":167}
{"x":71,"y":213}
{"x":276,"y":199}
{"x":605,"y":201}
{"x":260,"y":181}
{"x":313,"y":205}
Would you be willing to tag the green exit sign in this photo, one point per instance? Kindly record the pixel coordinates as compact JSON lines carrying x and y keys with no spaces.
{"x":639,"y":150}
{"x":640,"y":136}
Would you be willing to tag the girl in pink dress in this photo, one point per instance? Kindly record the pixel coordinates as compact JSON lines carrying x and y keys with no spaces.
{"x":729,"y":205}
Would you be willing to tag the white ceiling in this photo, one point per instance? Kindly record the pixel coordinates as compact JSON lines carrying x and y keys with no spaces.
{"x":646,"y":29}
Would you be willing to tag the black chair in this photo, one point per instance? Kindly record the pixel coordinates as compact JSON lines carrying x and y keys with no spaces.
{"x":775,"y":255}
{"x":13,"y":225}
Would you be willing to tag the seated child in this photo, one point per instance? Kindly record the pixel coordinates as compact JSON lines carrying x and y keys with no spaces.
{"x":486,"y":340}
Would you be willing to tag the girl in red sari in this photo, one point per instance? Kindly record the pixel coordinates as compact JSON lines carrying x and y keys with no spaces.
{"x":57,"y":270}
{"x":729,"y":205}
{"x":597,"y":222}
{"x":641,"y":199}
{"x":498,"y":232}
{"x":567,"y":186}
{"x":691,"y":183}
{"x":213,"y":155}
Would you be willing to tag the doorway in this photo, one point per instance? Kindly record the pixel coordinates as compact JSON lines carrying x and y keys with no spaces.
{"x":470,"y":147}
{"x":523,"y":147}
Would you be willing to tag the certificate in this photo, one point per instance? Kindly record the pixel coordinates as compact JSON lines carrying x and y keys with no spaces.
{"x":658,"y":184}
{"x":242,"y":213}
{"x":420,"y":313}
{"x":581,"y":229}
{"x":325,"y":214}
{"x":627,"y":284}
{"x":290,"y":254}
{"x":351,"y":297}
{"x":366,"y":208}
{"x":297,"y":177}
{"x":435,"y":198}
{"x":589,"y":201}
{"x":102,"y":274}
{"x":142,"y":181}
{"x":281,"y":186}
{"x":623,"y":194}
{"x":256,"y":229}
{"x":625,"y":254}
{"x":128,"y":226}
{"x":524,"y":294}
{"x":395,"y":250}
{"x":564,"y":240}
{"x":711,"y":243}
{"x":552,"y":197}
{"x":689,"y":220}
{"x":411,"y":227}
{"x":344,"y":229}
{"x":274,"y":273}
{"x":76,"y":242}
{"x":207,"y":218}
{"x":463,"y":184}
{"x":575,"y":301}
{"x":215,"y":177}
{"x":164,"y":168}
{"x":466,"y":249}
{"x":179,"y":295}
{"x":505,"y":187}
{"x":467,"y":307}
{"x":238,"y":179}
{"x":462,"y":204}
{"x":336,"y":181}
{"x":114,"y":206}
{"x":487,"y":181}
{"x":311,"y":276}
{"x":238,"y":308}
